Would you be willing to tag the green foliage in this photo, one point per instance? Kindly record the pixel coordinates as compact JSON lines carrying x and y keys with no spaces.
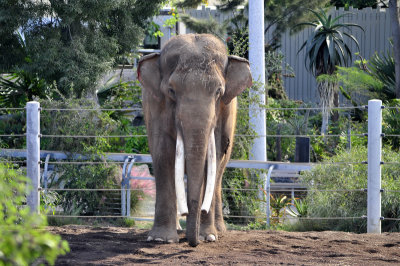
{"x":374,"y":78}
{"x":122,"y":95}
{"x":171,"y":22}
{"x":236,"y":200}
{"x":278,"y":205}
{"x":125,"y":222}
{"x":12,"y":123}
{"x":275,"y":70}
{"x":90,"y":203}
{"x":75,"y":122}
{"x":300,"y":208}
{"x":281,"y":122}
{"x":382,"y":68}
{"x":49,"y":201}
{"x":285,"y":14}
{"x":391,"y":124}
{"x":326,"y":47}
{"x":354,"y":3}
{"x":72,"y":42}
{"x":279,"y":16}
{"x":307,"y":122}
{"x":153,"y":30}
{"x":356,"y":81}
{"x":91,"y":123}
{"x":238,"y":42}
{"x":18,"y":88}
{"x":336,"y":190}
{"x":24,"y":240}
{"x":188,"y":3}
{"x":209,"y":25}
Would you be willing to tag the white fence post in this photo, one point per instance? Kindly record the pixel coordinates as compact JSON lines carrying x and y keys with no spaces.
{"x":374,"y":166}
{"x":268,"y":194}
{"x":257,"y":66}
{"x":33,"y":153}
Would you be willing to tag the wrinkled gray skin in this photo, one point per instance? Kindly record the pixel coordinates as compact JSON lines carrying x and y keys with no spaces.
{"x":191,"y":87}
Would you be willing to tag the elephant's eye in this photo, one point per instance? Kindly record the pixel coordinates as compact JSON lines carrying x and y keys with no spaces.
{"x":171,"y":93}
{"x":218,"y":92}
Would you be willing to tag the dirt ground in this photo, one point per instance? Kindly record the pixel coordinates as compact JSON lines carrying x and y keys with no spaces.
{"x":122,"y":246}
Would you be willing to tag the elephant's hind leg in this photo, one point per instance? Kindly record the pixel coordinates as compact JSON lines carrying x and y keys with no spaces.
{"x":219,"y":216}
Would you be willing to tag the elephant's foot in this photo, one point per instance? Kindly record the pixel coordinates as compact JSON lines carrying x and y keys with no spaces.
{"x":163,"y":234}
{"x":208,"y":233}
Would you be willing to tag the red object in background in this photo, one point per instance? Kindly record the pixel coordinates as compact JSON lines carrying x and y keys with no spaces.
{"x":147,"y":186}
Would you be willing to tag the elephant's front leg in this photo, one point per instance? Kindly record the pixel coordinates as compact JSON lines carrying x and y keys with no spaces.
{"x":164,"y":227}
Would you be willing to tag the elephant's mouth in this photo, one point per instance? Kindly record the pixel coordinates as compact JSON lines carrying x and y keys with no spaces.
{"x":180,"y":171}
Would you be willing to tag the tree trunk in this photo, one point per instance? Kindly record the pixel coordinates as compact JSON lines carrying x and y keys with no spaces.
{"x":278,"y":144}
{"x":325,"y":120}
{"x":326,"y":90}
{"x":335,"y":113}
{"x":394,"y":21}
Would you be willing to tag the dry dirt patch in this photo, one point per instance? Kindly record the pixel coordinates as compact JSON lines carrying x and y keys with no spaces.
{"x":121,"y":246}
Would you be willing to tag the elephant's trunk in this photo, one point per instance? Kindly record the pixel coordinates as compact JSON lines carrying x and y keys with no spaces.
{"x":196,"y":147}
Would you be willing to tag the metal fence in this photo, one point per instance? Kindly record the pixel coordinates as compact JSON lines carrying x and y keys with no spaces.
{"x":34,"y":162}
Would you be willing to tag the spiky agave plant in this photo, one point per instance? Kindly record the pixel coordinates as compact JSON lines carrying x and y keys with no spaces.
{"x":299,"y":208}
{"x":326,"y":48}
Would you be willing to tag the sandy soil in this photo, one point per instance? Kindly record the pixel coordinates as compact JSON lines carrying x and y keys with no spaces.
{"x":121,"y":246}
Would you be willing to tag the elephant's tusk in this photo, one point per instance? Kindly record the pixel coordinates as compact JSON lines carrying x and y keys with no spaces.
{"x":211,"y":173}
{"x":179,"y":173}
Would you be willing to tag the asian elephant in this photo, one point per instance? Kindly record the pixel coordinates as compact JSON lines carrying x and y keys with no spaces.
{"x":189,"y":103}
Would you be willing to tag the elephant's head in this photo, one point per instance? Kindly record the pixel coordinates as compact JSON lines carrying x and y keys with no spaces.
{"x":195,"y":78}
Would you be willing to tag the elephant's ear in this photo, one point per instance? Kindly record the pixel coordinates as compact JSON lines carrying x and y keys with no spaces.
{"x":237,"y":78}
{"x":148,"y":73}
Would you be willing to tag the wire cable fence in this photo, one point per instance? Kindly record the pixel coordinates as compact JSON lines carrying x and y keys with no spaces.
{"x":231,"y":215}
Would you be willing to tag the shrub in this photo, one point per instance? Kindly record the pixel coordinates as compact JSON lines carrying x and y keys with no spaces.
{"x":343,"y":195}
{"x":391,"y":124}
{"x":91,"y":122}
{"x":98,"y":176}
{"x":24,"y":240}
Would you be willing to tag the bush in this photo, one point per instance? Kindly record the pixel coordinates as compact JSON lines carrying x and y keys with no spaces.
{"x":345,"y":197}
{"x":391,"y":124}
{"x":75,"y":122}
{"x":101,"y":175}
{"x":24,"y":240}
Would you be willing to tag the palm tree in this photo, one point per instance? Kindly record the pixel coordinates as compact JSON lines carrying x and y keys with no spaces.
{"x":325,"y":49}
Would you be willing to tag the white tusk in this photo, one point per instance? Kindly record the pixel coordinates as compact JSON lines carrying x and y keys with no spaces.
{"x":179,"y":173}
{"x":211,"y":173}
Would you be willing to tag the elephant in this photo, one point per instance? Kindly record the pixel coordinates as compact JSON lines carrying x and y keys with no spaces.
{"x":189,"y":105}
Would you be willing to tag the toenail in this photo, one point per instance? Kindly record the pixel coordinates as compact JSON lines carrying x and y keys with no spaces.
{"x":211,"y":238}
